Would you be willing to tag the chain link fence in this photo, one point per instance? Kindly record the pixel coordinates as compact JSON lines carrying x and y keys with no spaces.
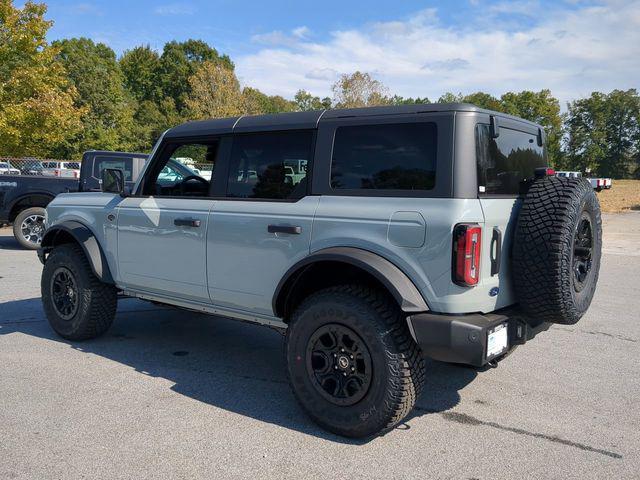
{"x":47,"y":167}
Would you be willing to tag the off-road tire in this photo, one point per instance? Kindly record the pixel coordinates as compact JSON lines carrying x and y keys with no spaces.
{"x":17,"y":226}
{"x":544,"y":272}
{"x":397,"y":363}
{"x":96,"y":301}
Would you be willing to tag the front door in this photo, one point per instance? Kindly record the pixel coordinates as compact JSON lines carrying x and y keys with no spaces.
{"x":162,"y":230}
{"x":263,"y":225}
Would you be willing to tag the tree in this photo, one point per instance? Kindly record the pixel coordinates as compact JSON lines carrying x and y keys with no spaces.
{"x":539,"y":107}
{"x":398,"y":100}
{"x":305,"y":101}
{"x":256,"y":102}
{"x":92,"y":68}
{"x":36,"y":102}
{"x":141,"y":69}
{"x":180,"y":61}
{"x":214,"y":92}
{"x":603,"y":133}
{"x":359,"y":90}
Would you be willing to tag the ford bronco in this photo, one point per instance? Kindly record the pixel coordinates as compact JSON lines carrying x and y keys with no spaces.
{"x":404,"y":232}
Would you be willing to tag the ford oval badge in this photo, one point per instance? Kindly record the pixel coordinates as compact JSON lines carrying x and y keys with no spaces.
{"x":494,"y":292}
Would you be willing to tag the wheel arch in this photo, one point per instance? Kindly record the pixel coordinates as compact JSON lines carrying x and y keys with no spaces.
{"x":354,"y":261}
{"x":72,"y":231}
{"x":28,"y":200}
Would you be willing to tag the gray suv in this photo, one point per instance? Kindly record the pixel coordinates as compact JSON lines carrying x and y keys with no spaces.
{"x":403,"y":232}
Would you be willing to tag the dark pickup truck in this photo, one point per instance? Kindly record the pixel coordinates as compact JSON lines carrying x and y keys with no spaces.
{"x":23,"y":198}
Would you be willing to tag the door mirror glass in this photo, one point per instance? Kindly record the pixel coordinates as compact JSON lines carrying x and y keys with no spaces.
{"x":112,"y":180}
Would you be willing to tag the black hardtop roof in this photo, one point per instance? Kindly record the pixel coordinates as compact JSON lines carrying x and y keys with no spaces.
{"x":114,"y":153}
{"x":310,"y":119}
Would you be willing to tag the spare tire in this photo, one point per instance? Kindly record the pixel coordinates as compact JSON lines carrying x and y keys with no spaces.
{"x":557,"y":249}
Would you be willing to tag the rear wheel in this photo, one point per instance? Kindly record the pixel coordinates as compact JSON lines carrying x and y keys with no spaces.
{"x":77,"y":304}
{"x":28,"y":227}
{"x":352,"y":363}
{"x":557,"y":249}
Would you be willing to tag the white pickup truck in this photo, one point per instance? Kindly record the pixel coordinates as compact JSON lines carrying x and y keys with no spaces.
{"x":598,"y":184}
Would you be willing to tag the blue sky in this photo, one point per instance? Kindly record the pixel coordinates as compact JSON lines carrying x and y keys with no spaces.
{"x":415,"y":48}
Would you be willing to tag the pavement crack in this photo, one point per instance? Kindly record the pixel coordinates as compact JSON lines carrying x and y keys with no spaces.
{"x":465,"y":419}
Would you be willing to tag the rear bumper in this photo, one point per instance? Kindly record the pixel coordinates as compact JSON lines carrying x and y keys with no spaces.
{"x":463,"y":338}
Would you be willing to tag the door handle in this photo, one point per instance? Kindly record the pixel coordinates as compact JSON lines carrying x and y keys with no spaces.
{"x":495,"y":259}
{"x":186,"y":222}
{"x":292,"y":229}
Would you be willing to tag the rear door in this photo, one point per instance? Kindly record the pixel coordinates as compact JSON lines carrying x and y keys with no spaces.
{"x":506,"y":165}
{"x":262,"y":226}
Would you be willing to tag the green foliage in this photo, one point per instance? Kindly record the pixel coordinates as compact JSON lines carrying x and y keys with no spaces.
{"x":92,"y":68}
{"x":398,"y":100}
{"x":180,"y":61}
{"x":256,"y":102}
{"x":141,"y":69}
{"x":305,"y":101}
{"x":603,"y":133}
{"x":37,"y":107}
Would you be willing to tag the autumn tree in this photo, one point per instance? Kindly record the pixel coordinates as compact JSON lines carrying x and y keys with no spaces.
{"x":180,"y":61}
{"x":214,"y":92}
{"x":359,"y":90}
{"x":37,"y":108}
{"x":256,"y":102}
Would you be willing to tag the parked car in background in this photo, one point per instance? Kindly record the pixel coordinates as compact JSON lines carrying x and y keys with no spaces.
{"x":598,"y":184}
{"x":23,"y":198}
{"x":7,"y":169}
{"x":60,"y":169}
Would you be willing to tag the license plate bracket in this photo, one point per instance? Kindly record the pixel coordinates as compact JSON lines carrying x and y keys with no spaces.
{"x":497,"y":340}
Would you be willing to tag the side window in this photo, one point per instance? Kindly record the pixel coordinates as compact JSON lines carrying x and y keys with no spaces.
{"x":506,"y":163}
{"x":399,"y":156}
{"x":177,"y":172}
{"x":121,"y":163}
{"x":271,"y":165}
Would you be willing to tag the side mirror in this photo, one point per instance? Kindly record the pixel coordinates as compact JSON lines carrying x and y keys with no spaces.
{"x":112,"y":180}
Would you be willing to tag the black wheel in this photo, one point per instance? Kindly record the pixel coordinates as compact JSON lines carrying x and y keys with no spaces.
{"x":77,"y":304}
{"x":28,"y":227}
{"x":352,"y":363}
{"x":557,"y":249}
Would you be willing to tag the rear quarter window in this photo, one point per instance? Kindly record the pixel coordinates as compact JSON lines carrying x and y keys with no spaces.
{"x":506,"y":164}
{"x":398,"y":156}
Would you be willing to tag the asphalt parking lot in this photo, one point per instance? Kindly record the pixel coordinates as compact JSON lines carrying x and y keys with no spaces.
{"x":170,"y":394}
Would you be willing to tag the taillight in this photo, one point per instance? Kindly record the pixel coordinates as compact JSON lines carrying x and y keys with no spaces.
{"x":56,"y":172}
{"x":467,"y":238}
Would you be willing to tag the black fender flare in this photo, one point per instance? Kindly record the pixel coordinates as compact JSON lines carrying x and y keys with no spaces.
{"x":87,"y":241}
{"x":395,"y":280}
{"x":25,"y":195}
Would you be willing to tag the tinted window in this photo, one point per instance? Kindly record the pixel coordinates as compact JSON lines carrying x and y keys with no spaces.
{"x":270,"y":165}
{"x":121,"y":163}
{"x":506,"y":163}
{"x":389,"y":157}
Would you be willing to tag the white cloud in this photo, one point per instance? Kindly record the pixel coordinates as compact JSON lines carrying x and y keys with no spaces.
{"x":175,"y":9}
{"x":571,"y":50}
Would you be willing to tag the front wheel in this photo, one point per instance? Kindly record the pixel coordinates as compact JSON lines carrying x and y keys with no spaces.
{"x":77,"y":304}
{"x":352,"y":363}
{"x":28,"y":227}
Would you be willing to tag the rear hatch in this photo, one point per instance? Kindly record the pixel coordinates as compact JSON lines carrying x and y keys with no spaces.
{"x":506,"y":165}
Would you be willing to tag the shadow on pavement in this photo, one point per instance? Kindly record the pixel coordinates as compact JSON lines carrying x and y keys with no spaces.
{"x":228,"y":364}
{"x":8,"y":242}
